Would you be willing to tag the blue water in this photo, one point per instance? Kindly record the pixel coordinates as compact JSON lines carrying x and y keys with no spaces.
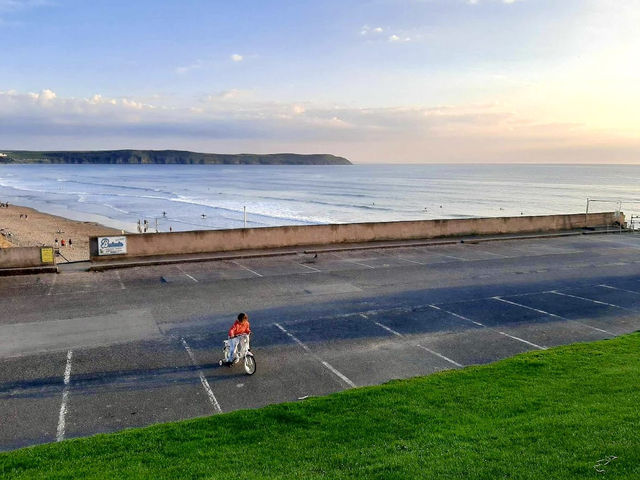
{"x":193,"y":197}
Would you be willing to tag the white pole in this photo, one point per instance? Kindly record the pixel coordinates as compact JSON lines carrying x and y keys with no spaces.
{"x":586,"y":215}
{"x":245,"y":216}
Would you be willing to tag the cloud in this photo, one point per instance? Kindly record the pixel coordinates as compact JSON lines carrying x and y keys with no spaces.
{"x":187,"y":68}
{"x":236,"y":120}
{"x":237,"y":58}
{"x":15,"y":5}
{"x":367,"y":30}
{"x":395,"y":38}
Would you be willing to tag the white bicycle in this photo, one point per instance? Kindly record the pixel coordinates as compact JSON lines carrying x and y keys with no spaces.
{"x":241,"y":353}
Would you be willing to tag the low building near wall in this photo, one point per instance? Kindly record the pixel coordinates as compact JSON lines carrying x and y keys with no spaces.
{"x":211,"y":241}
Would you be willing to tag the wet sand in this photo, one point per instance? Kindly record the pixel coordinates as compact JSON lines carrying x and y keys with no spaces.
{"x":26,"y":227}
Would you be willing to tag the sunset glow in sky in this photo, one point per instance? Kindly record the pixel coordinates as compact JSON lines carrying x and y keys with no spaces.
{"x":408,"y":81}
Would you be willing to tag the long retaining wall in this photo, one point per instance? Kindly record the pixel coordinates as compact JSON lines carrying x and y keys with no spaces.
{"x":24,"y":257}
{"x":207,"y":241}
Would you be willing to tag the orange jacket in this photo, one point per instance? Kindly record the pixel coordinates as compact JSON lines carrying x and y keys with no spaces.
{"x":239,"y":328}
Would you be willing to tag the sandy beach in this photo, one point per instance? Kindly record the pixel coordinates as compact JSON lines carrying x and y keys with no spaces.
{"x":26,"y":227}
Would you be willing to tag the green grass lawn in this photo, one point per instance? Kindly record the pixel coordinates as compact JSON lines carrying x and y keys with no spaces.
{"x":541,"y":415}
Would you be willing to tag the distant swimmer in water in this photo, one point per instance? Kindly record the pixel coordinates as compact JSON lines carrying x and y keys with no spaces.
{"x":203,"y":216}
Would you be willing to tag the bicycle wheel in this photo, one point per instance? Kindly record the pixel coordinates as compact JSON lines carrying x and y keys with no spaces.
{"x":249,"y":365}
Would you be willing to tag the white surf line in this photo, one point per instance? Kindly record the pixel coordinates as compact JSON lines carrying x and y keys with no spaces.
{"x":555,"y":292}
{"x":53,"y":283}
{"x":308,"y":350}
{"x":309,"y":267}
{"x":539,"y":347}
{"x":186,"y":274}
{"x":65,"y":399}
{"x":500,"y":299}
{"x":619,"y":289}
{"x":246,"y":268}
{"x":122,"y":287}
{"x":398,"y":334}
{"x":203,"y":380}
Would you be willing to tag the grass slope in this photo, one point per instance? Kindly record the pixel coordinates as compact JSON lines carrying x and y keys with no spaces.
{"x":540,"y":415}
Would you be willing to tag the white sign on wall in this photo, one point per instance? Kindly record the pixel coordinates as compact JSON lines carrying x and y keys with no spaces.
{"x":112,"y":245}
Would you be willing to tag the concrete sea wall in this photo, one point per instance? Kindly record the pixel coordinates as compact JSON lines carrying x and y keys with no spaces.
{"x":143,"y":245}
{"x":22,"y":257}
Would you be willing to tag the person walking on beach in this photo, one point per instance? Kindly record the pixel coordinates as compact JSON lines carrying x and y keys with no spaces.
{"x":62,"y":242}
{"x":239,"y":327}
{"x":70,"y":243}
{"x":56,"y":242}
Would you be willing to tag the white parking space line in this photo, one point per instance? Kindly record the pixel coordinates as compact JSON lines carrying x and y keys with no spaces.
{"x":555,"y":292}
{"x":398,"y":334}
{"x":310,"y":268}
{"x":619,"y":289}
{"x":552,"y":315}
{"x":186,"y":274}
{"x":65,"y":399}
{"x":352,"y":261}
{"x":246,"y":268}
{"x":308,"y":350}
{"x":410,"y":261}
{"x":122,"y":287}
{"x":539,"y":347}
{"x":435,"y":307}
{"x":53,"y":283}
{"x":451,"y":256}
{"x":203,"y":380}
{"x":440,"y":355}
{"x":494,"y":254}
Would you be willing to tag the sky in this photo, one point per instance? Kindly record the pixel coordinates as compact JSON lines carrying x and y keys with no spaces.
{"x":375,"y":81}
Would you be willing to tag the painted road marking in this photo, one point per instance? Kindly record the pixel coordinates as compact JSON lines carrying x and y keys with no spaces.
{"x":451,"y":256}
{"x":398,"y":334}
{"x":439,"y":355}
{"x":410,"y":261}
{"x":246,"y":268}
{"x":308,"y":350}
{"x":309,"y":267}
{"x":203,"y":380}
{"x":500,"y":299}
{"x":620,"y":289}
{"x":496,"y":254}
{"x":122,"y":287}
{"x":53,"y":283}
{"x":555,"y":292}
{"x":65,"y":399}
{"x":493,"y":329}
{"x":192,"y":278}
{"x":351,"y":261}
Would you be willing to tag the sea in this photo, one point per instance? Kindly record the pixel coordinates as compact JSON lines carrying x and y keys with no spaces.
{"x":203,"y":197}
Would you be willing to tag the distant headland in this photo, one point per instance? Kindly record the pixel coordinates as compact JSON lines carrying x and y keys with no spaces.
{"x":181,"y":157}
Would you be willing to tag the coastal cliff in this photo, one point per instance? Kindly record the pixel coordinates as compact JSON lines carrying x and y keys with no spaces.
{"x":168,"y":157}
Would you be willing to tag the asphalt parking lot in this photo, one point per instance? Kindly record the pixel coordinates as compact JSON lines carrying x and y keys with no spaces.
{"x":84,"y":353}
